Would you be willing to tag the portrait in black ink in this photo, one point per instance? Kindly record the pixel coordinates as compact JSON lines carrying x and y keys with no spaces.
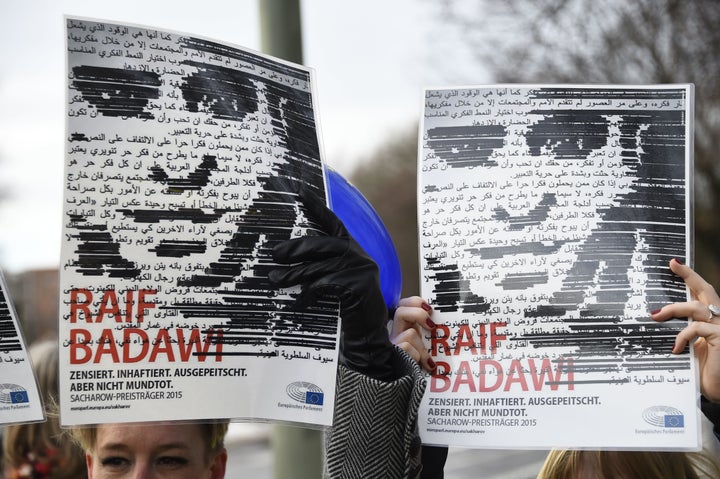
{"x":264,"y":119}
{"x":640,"y":227}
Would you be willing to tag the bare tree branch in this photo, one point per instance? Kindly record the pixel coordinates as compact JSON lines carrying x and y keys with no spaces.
{"x":614,"y":41}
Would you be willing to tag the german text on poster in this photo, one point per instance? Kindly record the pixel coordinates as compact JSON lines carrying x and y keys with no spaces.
{"x":548,"y":216}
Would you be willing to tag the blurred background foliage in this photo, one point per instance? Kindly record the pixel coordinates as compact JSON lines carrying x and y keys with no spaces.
{"x":571,"y":41}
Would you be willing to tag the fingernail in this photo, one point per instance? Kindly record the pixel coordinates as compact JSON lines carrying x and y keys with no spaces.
{"x":431,"y":323}
{"x":655,"y":311}
{"x":679,"y":262}
{"x":431,"y":363}
{"x":426,"y":307}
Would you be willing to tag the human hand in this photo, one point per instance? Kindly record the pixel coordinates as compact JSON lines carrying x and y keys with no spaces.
{"x":705,"y":327}
{"x":411,"y":317}
{"x":333,"y":266}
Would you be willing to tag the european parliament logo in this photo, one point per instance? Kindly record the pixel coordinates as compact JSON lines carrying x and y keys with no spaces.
{"x":315,"y":398}
{"x":664,"y":416}
{"x":306,"y":393}
{"x":674,"y":420}
{"x":13,"y":394}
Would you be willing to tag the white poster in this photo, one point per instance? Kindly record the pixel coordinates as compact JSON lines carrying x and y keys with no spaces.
{"x":20,"y":400}
{"x":184,"y":158}
{"x":548,"y":216}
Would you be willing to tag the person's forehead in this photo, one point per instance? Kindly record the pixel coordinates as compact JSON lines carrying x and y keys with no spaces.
{"x":155,"y":434}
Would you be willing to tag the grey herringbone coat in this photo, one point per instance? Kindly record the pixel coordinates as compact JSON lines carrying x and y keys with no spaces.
{"x":374,"y":435}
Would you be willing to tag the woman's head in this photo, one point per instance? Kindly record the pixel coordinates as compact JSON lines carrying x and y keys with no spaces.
{"x":572,"y":464}
{"x":154,"y":450}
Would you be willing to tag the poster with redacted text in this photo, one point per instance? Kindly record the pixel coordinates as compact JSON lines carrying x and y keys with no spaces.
{"x":20,"y":400}
{"x":548,"y":216}
{"x":184,"y":159}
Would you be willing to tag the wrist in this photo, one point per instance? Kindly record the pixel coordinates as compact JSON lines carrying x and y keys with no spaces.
{"x":371,"y":355}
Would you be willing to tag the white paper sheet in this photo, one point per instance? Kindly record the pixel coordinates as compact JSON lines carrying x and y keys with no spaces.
{"x":20,"y":400}
{"x":548,"y":215}
{"x":184,"y":156}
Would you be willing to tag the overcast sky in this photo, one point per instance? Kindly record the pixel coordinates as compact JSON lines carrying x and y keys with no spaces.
{"x":372,"y":59}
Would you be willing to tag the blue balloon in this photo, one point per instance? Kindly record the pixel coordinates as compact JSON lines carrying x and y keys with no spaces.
{"x":363,"y":223}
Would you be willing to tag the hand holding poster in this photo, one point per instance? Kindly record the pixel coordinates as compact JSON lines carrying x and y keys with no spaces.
{"x":19,"y":396}
{"x":183,"y":165}
{"x":548,"y":216}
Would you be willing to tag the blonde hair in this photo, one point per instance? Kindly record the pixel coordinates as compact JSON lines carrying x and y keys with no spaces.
{"x":572,"y":464}
{"x":213,"y":434}
{"x":22,"y":443}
